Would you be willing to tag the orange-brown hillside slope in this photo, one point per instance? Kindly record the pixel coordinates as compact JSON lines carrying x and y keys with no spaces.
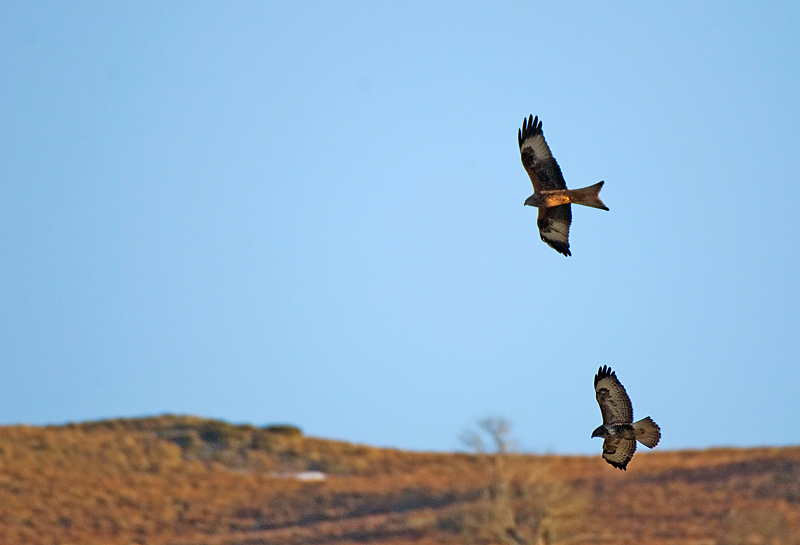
{"x":191,"y":481}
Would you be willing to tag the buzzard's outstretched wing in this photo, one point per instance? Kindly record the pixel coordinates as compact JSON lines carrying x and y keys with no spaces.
{"x":615,"y":405}
{"x":544,"y":172}
{"x":545,"y":175}
{"x":618,"y":451}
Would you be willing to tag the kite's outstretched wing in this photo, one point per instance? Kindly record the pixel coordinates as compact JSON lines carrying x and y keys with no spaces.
{"x":542,"y":168}
{"x":554,"y":225}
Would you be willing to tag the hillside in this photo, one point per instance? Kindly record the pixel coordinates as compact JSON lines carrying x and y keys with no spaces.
{"x":191,"y":481}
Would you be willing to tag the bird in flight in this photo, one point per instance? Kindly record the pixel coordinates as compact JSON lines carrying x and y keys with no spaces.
{"x":619,"y":431}
{"x":550,"y":193}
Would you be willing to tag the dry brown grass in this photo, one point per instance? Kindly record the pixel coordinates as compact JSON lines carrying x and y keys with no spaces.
{"x":187,"y":480}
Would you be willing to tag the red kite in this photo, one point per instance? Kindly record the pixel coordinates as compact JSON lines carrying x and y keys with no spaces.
{"x":550,"y":193}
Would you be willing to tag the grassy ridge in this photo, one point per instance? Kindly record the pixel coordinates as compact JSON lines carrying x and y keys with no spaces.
{"x":187,"y":480}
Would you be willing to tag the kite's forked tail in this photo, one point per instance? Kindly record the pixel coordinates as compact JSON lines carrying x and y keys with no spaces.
{"x":588,"y":196}
{"x":647,"y":432}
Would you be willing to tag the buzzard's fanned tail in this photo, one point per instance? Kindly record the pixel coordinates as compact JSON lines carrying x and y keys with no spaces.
{"x":588,"y":196}
{"x":647,"y":432}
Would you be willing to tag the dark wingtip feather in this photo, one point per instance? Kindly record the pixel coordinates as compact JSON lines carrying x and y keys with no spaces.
{"x":559,"y":247}
{"x":603,"y":372}
{"x":531,"y":126}
{"x":623,"y":467}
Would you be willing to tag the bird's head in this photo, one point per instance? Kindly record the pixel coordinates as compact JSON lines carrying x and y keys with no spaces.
{"x":534,"y":200}
{"x":600,"y":432}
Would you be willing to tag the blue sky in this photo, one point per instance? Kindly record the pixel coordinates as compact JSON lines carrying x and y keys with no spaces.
{"x":312,"y":213}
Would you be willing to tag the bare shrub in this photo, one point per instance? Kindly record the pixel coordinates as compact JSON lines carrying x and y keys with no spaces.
{"x":521,"y":504}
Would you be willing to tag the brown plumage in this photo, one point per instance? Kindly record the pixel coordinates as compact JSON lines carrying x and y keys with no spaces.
{"x":550,"y":193}
{"x":619,"y":431}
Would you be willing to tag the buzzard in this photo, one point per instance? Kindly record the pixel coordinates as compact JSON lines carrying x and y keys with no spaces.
{"x":550,"y":193}
{"x":619,"y":431}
